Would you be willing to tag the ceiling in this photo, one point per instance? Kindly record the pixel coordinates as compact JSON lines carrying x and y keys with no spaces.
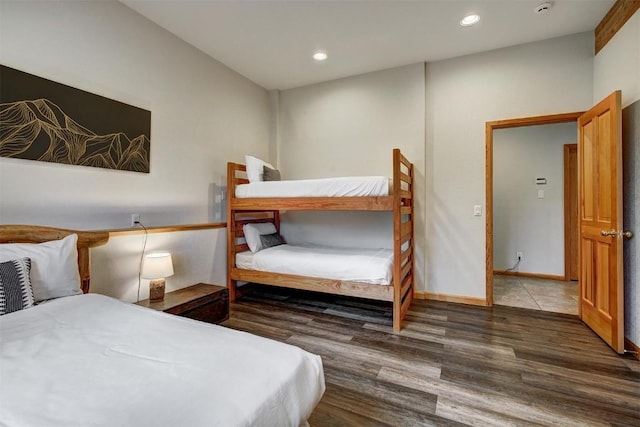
{"x":271,"y":42}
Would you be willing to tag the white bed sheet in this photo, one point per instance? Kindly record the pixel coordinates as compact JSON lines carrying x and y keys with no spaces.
{"x":244,"y":260}
{"x":372,"y":266}
{"x":90,"y":360}
{"x":354,"y":186}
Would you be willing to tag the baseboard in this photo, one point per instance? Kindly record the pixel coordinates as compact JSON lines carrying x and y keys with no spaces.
{"x":634,"y":348}
{"x":450,"y":298}
{"x":534,"y":275}
{"x":419,"y":295}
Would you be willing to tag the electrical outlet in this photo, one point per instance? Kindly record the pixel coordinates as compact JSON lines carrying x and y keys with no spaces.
{"x":135,"y":219}
{"x":519,"y":255}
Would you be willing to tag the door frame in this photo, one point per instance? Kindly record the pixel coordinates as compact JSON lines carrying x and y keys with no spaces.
{"x":569,"y":237}
{"x":489,"y":128}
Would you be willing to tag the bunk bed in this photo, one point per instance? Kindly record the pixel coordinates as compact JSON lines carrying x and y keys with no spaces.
{"x":399,"y":200}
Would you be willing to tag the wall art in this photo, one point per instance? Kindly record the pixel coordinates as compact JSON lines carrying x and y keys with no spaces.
{"x":51,"y":122}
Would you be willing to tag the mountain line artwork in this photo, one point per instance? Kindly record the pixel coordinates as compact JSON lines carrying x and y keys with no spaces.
{"x":51,"y":122}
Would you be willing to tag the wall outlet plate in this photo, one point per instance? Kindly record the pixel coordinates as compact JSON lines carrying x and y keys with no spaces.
{"x":519,"y":255}
{"x":135,"y":218}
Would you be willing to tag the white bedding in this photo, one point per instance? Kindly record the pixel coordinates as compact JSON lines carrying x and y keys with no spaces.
{"x":355,"y":186}
{"x":90,"y":360}
{"x":372,"y":266}
{"x":244,"y":260}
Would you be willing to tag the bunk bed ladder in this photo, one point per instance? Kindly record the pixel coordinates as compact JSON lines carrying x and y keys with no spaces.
{"x":235,"y":222}
{"x":403,"y":238}
{"x":231,"y":226}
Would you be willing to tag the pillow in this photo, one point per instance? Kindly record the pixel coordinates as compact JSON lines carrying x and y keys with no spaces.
{"x":252,"y":234}
{"x":15,"y":285}
{"x":270,"y":174}
{"x":254,"y":168}
{"x":54,"y":266}
{"x":270,"y":240}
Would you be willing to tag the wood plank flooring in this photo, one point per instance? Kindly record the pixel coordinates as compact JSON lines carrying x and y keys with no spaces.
{"x":452,"y":364}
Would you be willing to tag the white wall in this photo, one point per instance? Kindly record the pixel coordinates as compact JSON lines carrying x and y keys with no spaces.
{"x":349,"y":127}
{"x":631,"y":220}
{"x":198,"y":256}
{"x":617,"y":66}
{"x":521,"y":220}
{"x":324,"y":127}
{"x":553,"y":76}
{"x":202,"y":115}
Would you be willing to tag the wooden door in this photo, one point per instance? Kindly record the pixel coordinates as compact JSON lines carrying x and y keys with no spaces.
{"x":600,"y":215}
{"x":571,"y":212}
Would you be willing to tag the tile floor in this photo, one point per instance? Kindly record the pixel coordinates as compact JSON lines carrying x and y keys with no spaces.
{"x":536,"y":294}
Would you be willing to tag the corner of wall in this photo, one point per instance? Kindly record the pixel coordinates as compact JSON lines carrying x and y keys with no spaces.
{"x":274,"y":127}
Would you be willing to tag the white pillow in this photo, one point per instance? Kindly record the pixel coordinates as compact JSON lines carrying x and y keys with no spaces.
{"x":252,"y":234}
{"x":255,"y":168}
{"x":54,"y":266}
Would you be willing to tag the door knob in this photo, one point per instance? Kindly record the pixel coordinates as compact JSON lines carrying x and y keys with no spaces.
{"x":613,"y":233}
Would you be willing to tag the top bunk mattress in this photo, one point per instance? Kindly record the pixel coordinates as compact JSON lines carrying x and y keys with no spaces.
{"x":354,"y":186}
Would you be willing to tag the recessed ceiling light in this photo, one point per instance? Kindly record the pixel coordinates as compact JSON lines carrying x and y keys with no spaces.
{"x":470,"y":20}
{"x":320,"y":56}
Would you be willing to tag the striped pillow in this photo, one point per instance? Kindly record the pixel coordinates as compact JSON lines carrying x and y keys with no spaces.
{"x":15,"y":285}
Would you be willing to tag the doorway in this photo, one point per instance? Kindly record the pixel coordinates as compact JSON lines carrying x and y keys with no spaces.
{"x":490,"y":236}
{"x":600,"y":214}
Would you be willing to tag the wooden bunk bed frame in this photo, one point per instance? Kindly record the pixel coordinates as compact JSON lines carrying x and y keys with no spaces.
{"x":241,"y":211}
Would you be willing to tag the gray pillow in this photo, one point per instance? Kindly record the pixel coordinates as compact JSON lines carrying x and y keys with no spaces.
{"x":270,"y":240}
{"x":269,"y":174}
{"x":15,"y":285}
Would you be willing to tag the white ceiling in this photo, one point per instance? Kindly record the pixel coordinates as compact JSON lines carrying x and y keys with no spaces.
{"x":271,"y":42}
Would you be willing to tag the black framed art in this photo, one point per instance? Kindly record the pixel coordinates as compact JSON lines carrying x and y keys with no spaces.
{"x":51,"y":122}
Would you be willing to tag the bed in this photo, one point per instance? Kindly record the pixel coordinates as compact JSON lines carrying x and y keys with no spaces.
{"x":352,"y":186}
{"x":87,"y":359}
{"x":372,"y":266}
{"x":254,"y":201}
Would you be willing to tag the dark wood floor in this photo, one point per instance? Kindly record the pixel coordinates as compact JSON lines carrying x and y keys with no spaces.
{"x":452,"y":364}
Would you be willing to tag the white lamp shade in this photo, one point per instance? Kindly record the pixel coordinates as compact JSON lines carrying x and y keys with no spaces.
{"x":157,"y":265}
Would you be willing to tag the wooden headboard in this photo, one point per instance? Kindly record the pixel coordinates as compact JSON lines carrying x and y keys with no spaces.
{"x":39,"y":234}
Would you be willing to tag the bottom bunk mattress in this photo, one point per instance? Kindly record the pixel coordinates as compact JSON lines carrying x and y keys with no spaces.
{"x":90,"y":360}
{"x":373,"y":266}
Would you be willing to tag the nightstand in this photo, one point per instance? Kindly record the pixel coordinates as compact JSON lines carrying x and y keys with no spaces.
{"x":204,"y":302}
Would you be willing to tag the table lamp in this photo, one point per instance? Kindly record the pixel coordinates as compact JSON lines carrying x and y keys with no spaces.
{"x":157,"y":266}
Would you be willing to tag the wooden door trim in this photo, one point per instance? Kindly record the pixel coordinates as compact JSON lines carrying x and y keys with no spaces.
{"x":489,"y":128}
{"x":566,"y":203}
{"x":567,"y":211}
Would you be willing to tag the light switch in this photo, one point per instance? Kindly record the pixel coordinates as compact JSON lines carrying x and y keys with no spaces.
{"x":477,"y":210}
{"x":540,"y":194}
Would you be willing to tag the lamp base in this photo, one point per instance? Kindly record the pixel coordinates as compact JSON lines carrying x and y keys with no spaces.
{"x":156,"y":290}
